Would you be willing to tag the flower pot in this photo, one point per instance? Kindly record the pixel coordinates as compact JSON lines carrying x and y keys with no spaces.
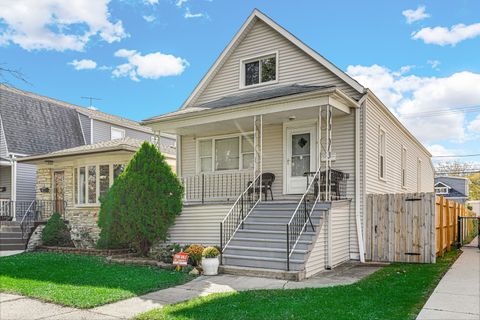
{"x":210,"y":266}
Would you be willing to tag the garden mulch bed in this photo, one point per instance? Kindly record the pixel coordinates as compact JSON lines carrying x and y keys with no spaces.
{"x":89,"y":252}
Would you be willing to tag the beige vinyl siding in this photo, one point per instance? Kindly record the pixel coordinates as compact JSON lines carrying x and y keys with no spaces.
{"x":199,"y":225}
{"x":316,"y":260}
{"x":294,"y":66}
{"x":341,"y":232}
{"x":395,"y":139}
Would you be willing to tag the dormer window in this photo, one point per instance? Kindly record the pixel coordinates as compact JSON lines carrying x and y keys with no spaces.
{"x":259,"y":70}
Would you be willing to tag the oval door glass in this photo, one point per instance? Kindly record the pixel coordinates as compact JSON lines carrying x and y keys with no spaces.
{"x":300,"y":154}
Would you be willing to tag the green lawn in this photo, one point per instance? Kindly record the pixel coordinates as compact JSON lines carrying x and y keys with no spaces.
{"x":80,"y":281}
{"x":397,"y":291}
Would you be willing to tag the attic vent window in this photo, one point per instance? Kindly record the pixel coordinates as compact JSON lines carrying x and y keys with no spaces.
{"x":260,"y":70}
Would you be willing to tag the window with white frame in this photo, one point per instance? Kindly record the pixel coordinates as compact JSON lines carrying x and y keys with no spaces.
{"x":381,"y":154}
{"x":93,"y":181}
{"x":225,"y":153}
{"x":117,"y":133}
{"x":259,"y":70}
{"x":404,"y":167}
{"x":441,"y":190}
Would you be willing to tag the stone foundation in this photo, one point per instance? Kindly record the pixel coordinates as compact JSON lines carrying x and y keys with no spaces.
{"x":35,"y":239}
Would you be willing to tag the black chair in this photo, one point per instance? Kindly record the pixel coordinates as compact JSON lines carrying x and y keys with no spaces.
{"x":267,"y":180}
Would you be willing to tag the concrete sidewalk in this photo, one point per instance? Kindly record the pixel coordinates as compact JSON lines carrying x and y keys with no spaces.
{"x":15,"y":307}
{"x":457,"y":296}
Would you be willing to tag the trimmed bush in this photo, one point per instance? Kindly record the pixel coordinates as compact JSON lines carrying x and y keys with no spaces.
{"x":56,"y":232}
{"x":195,"y":253}
{"x":210,"y":252}
{"x":142,"y":203}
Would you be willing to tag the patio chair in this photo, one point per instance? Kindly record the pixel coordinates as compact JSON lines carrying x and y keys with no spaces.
{"x":267,"y":181}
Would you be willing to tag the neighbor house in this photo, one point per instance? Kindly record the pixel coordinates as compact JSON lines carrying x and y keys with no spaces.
{"x":33,"y":125}
{"x":273,"y":115}
{"x":452,"y":188}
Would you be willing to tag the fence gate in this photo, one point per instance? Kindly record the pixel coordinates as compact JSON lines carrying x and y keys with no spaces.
{"x":401,"y":227}
{"x":467,"y":225}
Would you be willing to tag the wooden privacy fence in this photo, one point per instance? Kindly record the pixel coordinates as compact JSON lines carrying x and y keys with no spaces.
{"x":446,"y":224}
{"x":414,"y":227}
{"x":401,"y":227}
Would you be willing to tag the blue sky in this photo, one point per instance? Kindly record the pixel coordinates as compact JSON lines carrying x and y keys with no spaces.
{"x":143,"y":58}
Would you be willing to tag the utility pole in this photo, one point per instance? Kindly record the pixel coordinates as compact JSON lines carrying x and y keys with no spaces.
{"x":91,"y":100}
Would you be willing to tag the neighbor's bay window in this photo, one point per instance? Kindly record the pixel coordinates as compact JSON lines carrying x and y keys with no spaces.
{"x":225,"y":153}
{"x":93,"y":181}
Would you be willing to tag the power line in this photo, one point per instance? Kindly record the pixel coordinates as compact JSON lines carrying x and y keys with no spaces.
{"x":441,"y":112}
{"x":458,"y":155}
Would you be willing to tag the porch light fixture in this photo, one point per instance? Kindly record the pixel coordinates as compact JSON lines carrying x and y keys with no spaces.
{"x":44,"y":189}
{"x":291,"y":118}
{"x":3,"y":189}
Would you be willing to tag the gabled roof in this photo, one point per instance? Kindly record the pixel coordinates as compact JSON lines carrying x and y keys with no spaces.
{"x":443,"y":184}
{"x":33,"y":126}
{"x":94,"y":114}
{"x":257,"y":14}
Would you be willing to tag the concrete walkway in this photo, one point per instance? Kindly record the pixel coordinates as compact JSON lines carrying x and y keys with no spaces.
{"x":457,"y":296}
{"x":6,"y":253}
{"x":22,"y":308}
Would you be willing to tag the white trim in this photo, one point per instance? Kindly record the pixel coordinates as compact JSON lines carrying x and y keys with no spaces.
{"x":91,"y":130}
{"x":256,"y":14}
{"x":81,"y":128}
{"x":258,"y":58}
{"x":122,"y":131}
{"x":444,"y":184}
{"x":358,"y":224}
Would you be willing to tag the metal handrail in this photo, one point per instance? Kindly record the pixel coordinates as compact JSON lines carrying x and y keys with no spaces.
{"x":296,"y":216}
{"x":238,"y":209}
{"x":23,"y":223}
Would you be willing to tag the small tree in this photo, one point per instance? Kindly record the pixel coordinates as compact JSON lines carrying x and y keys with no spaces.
{"x":56,"y":232}
{"x":142,"y":204}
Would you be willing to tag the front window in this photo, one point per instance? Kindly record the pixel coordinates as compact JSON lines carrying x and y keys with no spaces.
{"x":441,"y":190}
{"x":260,"y":70}
{"x":225,"y":153}
{"x":93,"y":181}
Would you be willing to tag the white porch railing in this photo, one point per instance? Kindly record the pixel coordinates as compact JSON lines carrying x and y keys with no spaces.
{"x":6,"y":208}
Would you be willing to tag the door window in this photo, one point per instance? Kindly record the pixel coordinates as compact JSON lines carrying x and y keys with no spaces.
{"x":300,"y":154}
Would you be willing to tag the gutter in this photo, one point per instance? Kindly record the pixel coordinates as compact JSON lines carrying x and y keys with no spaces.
{"x":359,"y":196}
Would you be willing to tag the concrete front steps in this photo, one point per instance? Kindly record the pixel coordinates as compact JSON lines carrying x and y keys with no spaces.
{"x":11,"y":236}
{"x":260,"y":247}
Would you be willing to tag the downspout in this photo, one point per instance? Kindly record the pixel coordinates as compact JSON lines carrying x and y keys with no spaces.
{"x":13,"y":187}
{"x":359,"y":195}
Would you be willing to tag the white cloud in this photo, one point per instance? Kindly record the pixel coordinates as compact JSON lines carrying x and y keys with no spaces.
{"x":433,"y":63}
{"x":189,"y":15}
{"x":56,"y":24}
{"x":443,"y":36}
{"x":407,"y":95}
{"x":151,"y":2}
{"x":149,"y":66}
{"x":180,"y":3}
{"x":474,"y":126}
{"x":83,"y":64}
{"x":149,"y":18}
{"x":415,"y":15}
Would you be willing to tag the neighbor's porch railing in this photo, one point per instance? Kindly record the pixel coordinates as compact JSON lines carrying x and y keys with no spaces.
{"x":215,"y":186}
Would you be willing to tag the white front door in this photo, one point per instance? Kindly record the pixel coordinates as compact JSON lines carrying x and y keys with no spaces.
{"x":300,"y":158}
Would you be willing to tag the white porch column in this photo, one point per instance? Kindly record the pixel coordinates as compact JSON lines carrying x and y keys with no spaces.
{"x":13,"y":185}
{"x":258,"y":148}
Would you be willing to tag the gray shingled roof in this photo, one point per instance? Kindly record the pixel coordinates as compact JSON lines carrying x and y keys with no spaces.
{"x":95,"y":114}
{"x":247,"y":97}
{"x":34,"y":126}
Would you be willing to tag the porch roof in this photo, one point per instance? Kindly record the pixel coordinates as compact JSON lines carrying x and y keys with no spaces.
{"x":257,"y":102}
{"x":129,"y":145}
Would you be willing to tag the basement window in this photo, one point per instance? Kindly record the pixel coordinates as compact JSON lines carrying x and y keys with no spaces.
{"x":382,"y":154}
{"x":260,"y":70}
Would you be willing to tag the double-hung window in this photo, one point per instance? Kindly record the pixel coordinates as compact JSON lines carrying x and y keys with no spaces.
{"x":404,"y":167}
{"x":259,"y":70}
{"x":93,"y":181}
{"x":382,"y":165}
{"x":225,"y":153}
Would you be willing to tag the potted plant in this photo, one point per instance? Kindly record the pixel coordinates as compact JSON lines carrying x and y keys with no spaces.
{"x":210,"y":261}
